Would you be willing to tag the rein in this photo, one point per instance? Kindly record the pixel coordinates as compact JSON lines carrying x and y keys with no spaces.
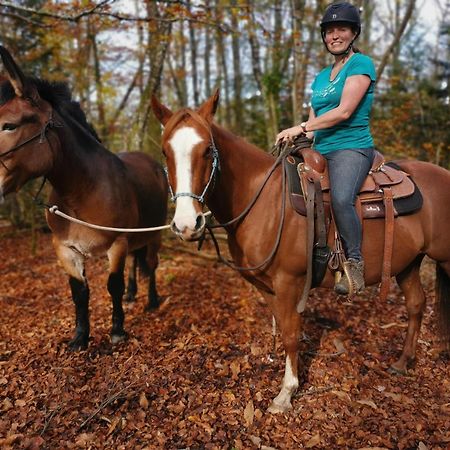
{"x":282,"y":154}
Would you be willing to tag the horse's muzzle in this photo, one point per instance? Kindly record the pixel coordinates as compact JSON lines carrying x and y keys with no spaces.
{"x":187,"y":233}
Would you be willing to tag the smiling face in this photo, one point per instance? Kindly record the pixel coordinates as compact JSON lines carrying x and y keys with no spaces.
{"x":338,"y":37}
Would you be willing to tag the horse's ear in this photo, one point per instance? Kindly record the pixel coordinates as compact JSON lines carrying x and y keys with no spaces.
{"x":21,"y":86}
{"x":14,"y":73}
{"x":209,"y":107}
{"x":161,"y":111}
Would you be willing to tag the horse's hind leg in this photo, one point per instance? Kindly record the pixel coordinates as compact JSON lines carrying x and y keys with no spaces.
{"x":116,"y":287}
{"x":409,"y":282}
{"x":443,"y":302}
{"x":152,"y":263}
{"x":73,"y":263}
{"x":130,"y":295}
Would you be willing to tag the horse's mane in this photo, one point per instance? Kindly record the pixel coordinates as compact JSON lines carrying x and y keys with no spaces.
{"x":58,"y":94}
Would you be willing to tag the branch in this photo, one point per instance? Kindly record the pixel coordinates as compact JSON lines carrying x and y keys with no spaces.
{"x":396,"y":39}
{"x":98,"y":10}
{"x":42,"y":13}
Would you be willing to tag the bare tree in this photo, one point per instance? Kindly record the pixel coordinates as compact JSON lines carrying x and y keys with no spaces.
{"x":401,"y":24}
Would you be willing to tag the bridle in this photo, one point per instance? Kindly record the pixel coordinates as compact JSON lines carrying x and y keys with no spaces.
{"x":42,"y":135}
{"x":215,"y":156}
{"x":215,"y":168}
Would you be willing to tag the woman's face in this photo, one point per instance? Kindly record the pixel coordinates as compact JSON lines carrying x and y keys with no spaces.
{"x":338,"y":37}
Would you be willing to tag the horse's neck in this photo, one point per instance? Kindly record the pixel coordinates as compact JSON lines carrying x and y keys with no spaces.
{"x":242,"y":170}
{"x":78,"y":164}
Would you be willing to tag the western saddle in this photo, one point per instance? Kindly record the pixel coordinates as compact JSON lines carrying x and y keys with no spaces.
{"x":311,"y":198}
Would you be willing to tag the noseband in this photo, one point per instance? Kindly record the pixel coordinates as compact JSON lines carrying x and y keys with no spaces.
{"x":215,"y":157}
{"x":42,"y":135}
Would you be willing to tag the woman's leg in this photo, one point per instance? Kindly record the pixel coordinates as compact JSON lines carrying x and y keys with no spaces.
{"x":348,"y":170}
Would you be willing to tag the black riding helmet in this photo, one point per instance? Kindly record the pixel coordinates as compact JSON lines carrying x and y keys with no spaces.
{"x":341,"y":13}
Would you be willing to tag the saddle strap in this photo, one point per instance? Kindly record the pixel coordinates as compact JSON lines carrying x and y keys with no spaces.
{"x":310,"y":195}
{"x":388,"y":243}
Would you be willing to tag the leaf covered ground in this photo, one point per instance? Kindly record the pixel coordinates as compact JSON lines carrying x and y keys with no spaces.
{"x":200,"y":372}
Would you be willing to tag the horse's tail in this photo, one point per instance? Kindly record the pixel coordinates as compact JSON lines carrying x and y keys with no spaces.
{"x":443,"y":304}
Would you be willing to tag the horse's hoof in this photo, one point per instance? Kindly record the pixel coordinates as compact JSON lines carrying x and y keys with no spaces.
{"x":117,"y":338}
{"x":276,"y":408}
{"x":78,"y":344}
{"x":154,"y":304}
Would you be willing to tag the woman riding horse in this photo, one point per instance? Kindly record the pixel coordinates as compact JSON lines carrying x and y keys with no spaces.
{"x":208,"y":165}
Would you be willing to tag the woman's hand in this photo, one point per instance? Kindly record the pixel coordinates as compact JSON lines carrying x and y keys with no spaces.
{"x":289,"y":134}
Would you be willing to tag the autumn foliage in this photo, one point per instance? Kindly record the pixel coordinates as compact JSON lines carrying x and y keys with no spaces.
{"x":201,"y":372}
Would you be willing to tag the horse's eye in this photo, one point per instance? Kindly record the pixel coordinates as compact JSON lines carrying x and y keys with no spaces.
{"x":9,"y":126}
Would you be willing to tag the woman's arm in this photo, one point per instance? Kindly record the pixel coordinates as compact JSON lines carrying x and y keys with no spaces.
{"x":354,"y":89}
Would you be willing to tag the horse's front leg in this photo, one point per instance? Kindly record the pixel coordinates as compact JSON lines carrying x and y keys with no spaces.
{"x":152,"y":264}
{"x":116,"y":287}
{"x":289,"y":322}
{"x":73,"y":263}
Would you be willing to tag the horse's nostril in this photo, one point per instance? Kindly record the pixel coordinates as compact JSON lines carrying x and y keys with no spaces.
{"x":199,"y":222}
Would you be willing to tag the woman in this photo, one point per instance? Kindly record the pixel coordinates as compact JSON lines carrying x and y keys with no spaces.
{"x":342,"y":96}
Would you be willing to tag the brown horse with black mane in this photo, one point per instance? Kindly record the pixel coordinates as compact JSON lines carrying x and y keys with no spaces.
{"x":43,"y":132}
{"x":208,"y":164}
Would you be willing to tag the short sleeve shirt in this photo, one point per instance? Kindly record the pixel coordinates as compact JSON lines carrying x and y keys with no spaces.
{"x":326,"y":95}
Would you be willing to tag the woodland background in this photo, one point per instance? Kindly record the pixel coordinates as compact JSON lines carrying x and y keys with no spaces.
{"x":262,"y":55}
{"x":200,"y":372}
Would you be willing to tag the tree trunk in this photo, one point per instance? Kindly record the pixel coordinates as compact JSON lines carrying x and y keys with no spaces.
{"x":237,"y":79}
{"x":222,"y":69}
{"x":396,"y":39}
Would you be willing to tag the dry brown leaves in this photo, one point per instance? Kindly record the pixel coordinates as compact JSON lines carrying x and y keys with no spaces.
{"x":197,"y":374}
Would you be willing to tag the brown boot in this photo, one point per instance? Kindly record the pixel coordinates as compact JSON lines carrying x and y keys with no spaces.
{"x":352,"y":281}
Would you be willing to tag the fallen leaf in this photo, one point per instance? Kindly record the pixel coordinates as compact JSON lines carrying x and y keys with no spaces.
{"x":368,"y":403}
{"x":339,"y":345}
{"x":235,"y":368}
{"x":143,"y":402}
{"x":249,"y":413}
{"x":314,"y":441}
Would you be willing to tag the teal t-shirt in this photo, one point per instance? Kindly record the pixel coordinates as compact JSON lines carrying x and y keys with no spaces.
{"x":353,"y":132}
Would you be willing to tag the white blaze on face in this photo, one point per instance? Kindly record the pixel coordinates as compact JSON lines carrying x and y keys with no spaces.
{"x":183,"y":142}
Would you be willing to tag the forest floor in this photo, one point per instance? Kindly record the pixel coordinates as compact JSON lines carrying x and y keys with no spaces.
{"x":200,"y":372}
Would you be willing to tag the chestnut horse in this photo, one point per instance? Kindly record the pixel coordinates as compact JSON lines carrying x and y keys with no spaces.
{"x":207,"y":163}
{"x":45,"y":133}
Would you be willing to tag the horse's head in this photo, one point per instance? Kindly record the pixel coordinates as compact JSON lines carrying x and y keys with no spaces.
{"x":25,"y":152}
{"x":192,"y":162}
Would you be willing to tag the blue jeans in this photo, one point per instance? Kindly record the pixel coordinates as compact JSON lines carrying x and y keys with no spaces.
{"x":348,"y":170}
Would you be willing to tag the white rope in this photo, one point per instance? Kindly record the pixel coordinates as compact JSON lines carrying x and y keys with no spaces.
{"x":54,"y":210}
